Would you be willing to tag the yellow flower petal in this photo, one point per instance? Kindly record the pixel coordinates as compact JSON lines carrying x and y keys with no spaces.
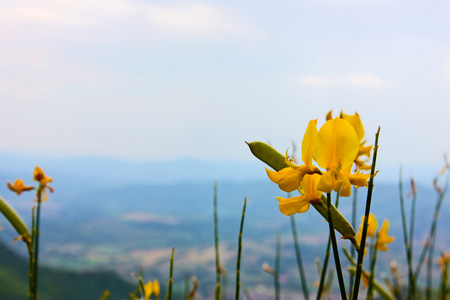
{"x":358,"y":179}
{"x":383,"y":238}
{"x":288,"y":179}
{"x":290,"y":206}
{"x":309,"y":143}
{"x":355,"y":121}
{"x":309,"y":186}
{"x":156,"y":289}
{"x":328,"y":182}
{"x":19,"y":187}
{"x":337,"y":145}
{"x":346,"y":187}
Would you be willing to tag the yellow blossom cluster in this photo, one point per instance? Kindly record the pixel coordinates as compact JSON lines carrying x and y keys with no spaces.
{"x":18,"y":186}
{"x":335,"y":147}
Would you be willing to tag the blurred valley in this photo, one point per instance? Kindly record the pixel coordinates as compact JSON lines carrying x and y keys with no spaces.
{"x":123,"y":216}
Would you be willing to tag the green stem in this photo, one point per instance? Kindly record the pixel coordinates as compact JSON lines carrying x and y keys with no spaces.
{"x":216,"y":243}
{"x":431,"y":234}
{"x":411,"y":280}
{"x":36,"y":229}
{"x":170,"y":286}
{"x":324,"y":270}
{"x":413,"y":216}
{"x":443,"y":290}
{"x":238,"y":262}
{"x":430,"y":269}
{"x":298,"y":255}
{"x":385,"y":294}
{"x":352,"y":249}
{"x":31,"y":295}
{"x":276,"y":275}
{"x":335,"y":250}
{"x":366,"y":219}
{"x":372,"y":270}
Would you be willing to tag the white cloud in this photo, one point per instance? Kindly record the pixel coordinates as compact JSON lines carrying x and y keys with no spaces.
{"x":116,"y":19}
{"x":364,"y":79}
{"x":195,"y":19}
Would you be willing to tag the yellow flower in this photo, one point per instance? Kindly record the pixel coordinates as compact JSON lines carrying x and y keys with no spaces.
{"x":371,"y":228}
{"x":19,"y":187}
{"x":300,"y":204}
{"x":337,"y":145}
{"x":383,"y":238}
{"x":43,"y":180}
{"x":289,"y":178}
{"x":355,"y":121}
{"x":444,"y":260}
{"x":336,"y":149}
{"x":41,"y":177}
{"x":151,"y":288}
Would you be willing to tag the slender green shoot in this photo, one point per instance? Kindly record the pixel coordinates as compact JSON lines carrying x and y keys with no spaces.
{"x":429,"y":286}
{"x":276,"y":275}
{"x":216,"y":244}
{"x":298,"y":255}
{"x":378,"y":287}
{"x":170,"y":286}
{"x":323,"y":271}
{"x":36,"y":232}
{"x":352,"y":249}
{"x":372,"y":269}
{"x":366,"y":219}
{"x":432,"y":232}
{"x":406,"y":241}
{"x":335,"y":250}
{"x":443,"y":289}
{"x":238,"y":262}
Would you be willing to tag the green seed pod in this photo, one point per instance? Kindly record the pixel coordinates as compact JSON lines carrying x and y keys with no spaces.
{"x":276,"y":161}
{"x":268,"y":155}
{"x":14,"y":219}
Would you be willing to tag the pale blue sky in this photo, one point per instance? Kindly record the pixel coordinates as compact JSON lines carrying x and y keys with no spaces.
{"x":152,"y":80}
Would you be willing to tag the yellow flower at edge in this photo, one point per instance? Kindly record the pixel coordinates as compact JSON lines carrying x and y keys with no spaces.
{"x":383,"y":238}
{"x":19,"y":187}
{"x":151,"y":288}
{"x":300,"y":204}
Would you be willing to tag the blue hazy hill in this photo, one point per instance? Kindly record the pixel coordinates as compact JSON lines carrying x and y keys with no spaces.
{"x":121,"y":215}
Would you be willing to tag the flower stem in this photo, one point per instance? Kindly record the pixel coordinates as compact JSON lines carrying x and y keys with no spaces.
{"x":36,"y":229}
{"x":431,"y":234}
{"x":170,"y":287}
{"x":324,"y":270}
{"x":276,"y":275}
{"x":372,"y":270}
{"x":298,"y":255}
{"x":352,"y":249}
{"x":238,"y":262}
{"x":359,"y":264}
{"x":216,"y":244}
{"x":335,"y":250}
{"x":411,"y":281}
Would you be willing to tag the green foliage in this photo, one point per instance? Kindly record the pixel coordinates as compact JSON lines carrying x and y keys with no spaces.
{"x":56,"y":284}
